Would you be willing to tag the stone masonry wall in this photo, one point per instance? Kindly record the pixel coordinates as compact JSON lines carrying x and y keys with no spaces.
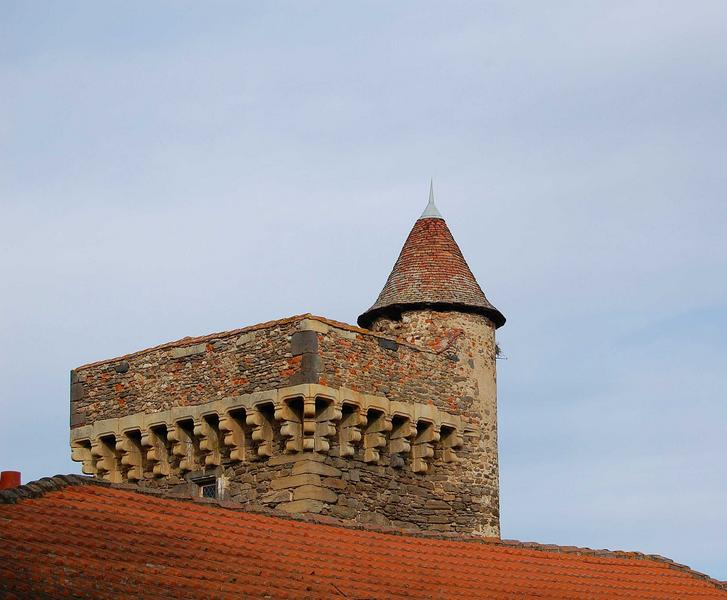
{"x":467,"y":342}
{"x":190,"y":371}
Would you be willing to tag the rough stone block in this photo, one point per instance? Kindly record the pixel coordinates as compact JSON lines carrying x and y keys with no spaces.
{"x":343,"y":512}
{"x":313,"y":325}
{"x":388,"y":344}
{"x":440,"y":519}
{"x":188,"y":351}
{"x":77,"y":419}
{"x":375,"y":519}
{"x":334,"y":483}
{"x":436,"y":505}
{"x":295,"y":481}
{"x":319,"y":468}
{"x":245,"y":338}
{"x":121,"y":367}
{"x":77,"y":392}
{"x":314,"y":492}
{"x":304,"y":342}
{"x":278,"y":496}
{"x":310,"y":368}
{"x":285,"y":459}
{"x":302,"y":506}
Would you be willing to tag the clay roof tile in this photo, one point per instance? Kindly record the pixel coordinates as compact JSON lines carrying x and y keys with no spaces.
{"x":75,"y":536}
{"x":431,"y":272}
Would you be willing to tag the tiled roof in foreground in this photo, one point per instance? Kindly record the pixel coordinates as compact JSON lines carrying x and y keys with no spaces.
{"x":60,"y":538}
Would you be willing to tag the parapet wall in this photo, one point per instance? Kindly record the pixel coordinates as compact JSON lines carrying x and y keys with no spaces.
{"x":187,"y":372}
{"x":262,"y":357}
{"x":302,"y":414}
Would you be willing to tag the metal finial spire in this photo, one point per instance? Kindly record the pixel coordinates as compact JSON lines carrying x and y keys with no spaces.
{"x":431,"y":212}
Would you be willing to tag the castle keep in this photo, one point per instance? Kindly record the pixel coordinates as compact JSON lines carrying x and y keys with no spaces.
{"x":393,"y":422}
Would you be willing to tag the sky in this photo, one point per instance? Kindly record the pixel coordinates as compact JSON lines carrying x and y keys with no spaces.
{"x":180,"y":168}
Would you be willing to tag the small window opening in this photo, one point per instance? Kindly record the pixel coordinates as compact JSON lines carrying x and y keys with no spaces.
{"x":207,"y":487}
{"x":209,"y":490}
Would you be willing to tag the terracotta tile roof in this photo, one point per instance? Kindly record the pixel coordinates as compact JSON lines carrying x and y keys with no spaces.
{"x":58,"y":538}
{"x":431,"y":271}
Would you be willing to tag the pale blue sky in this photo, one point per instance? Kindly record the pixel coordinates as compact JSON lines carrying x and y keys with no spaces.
{"x":178,"y":168}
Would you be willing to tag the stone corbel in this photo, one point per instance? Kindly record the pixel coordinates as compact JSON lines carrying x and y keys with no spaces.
{"x":290,"y":413}
{"x":400,"y":439}
{"x":131,"y":457}
{"x":422,"y":451}
{"x":262,"y":432}
{"x":375,"y":435}
{"x":209,"y":442}
{"x":233,"y":436}
{"x":350,"y":434}
{"x":81,"y":452}
{"x":327,"y":415}
{"x":183,"y":447}
{"x":157,"y":452}
{"x":107,"y":461}
{"x":451,"y":440}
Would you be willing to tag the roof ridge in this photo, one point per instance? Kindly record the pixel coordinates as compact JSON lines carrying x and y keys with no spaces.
{"x":39,"y":488}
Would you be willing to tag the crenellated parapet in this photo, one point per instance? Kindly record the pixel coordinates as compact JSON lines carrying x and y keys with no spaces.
{"x":301,"y":419}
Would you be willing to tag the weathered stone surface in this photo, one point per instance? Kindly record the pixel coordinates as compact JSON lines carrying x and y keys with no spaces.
{"x":313,"y":325}
{"x":343,"y":512}
{"x":319,"y":468}
{"x":388,"y":344}
{"x":285,"y":459}
{"x":279,"y":496}
{"x":302,"y":506}
{"x":77,"y":392}
{"x":311,"y":366}
{"x":185,"y":351}
{"x":372,"y":518}
{"x":314,"y":492}
{"x":295,"y":481}
{"x":77,"y":420}
{"x":304,"y":341}
{"x":440,"y":519}
{"x":121,"y":367}
{"x":334,"y":483}
{"x":437,"y":505}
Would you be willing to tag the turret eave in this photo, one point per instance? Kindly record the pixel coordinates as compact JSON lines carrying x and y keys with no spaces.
{"x":394,"y":311}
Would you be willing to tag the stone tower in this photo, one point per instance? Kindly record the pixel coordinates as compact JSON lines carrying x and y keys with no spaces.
{"x":432,"y":299}
{"x":392,"y":423}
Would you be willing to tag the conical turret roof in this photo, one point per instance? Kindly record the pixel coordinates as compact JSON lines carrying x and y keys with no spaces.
{"x":431,"y":273}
